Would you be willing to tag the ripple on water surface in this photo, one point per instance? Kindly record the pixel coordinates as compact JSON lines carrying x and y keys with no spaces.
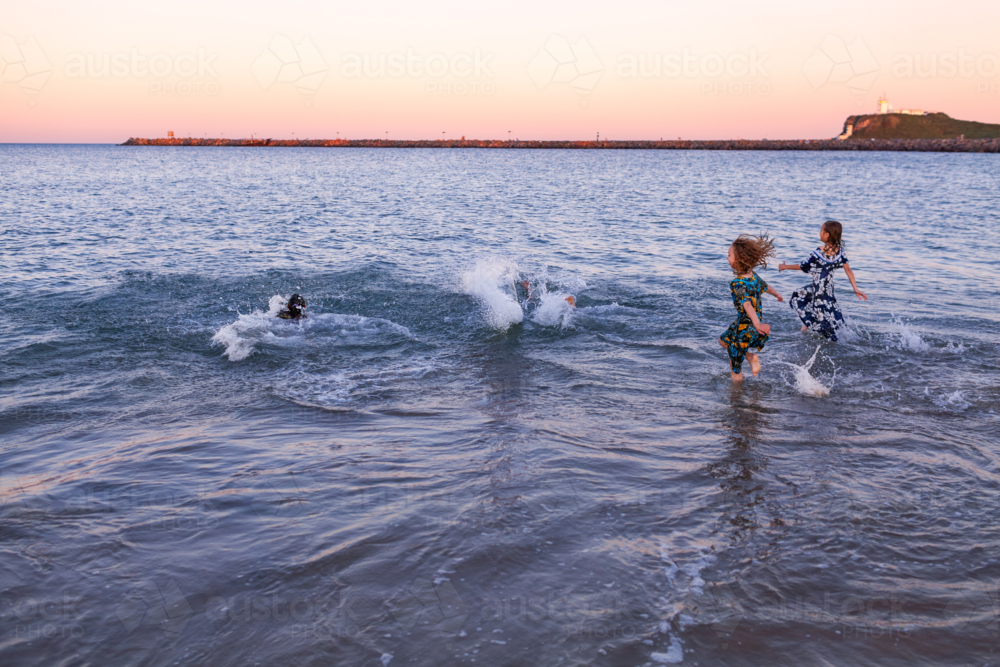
{"x":440,"y":465}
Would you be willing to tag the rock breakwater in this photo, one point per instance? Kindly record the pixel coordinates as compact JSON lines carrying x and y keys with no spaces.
{"x":922,"y":145}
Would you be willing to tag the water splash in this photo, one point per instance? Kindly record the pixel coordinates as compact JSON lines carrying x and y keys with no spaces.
{"x":554,"y":310}
{"x":805,"y":383}
{"x":673,"y":655}
{"x":241,"y":338}
{"x":491,"y":282}
{"x":907,"y":338}
{"x":955,"y":349}
{"x":953,"y":400}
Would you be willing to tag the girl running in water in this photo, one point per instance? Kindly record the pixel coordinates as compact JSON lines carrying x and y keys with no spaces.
{"x":745,"y":254}
{"x":815,"y":304}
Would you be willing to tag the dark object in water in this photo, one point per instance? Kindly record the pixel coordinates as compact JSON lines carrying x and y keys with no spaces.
{"x":294,"y":309}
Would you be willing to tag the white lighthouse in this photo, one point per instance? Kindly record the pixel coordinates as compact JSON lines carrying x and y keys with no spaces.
{"x":883,"y":105}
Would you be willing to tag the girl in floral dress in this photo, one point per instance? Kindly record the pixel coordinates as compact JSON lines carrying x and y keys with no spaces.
{"x":747,"y":332}
{"x":815,"y":304}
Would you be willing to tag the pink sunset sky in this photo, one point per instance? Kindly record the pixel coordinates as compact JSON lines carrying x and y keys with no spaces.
{"x":88,"y":71}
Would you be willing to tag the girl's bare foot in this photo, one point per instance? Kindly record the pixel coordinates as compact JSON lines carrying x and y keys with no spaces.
{"x":754,"y":364}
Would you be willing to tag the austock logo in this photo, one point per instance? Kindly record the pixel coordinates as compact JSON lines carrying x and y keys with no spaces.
{"x":154,"y":610}
{"x":282,"y":497}
{"x":23,"y":64}
{"x":560,"y":62}
{"x":143,"y":504}
{"x":838,"y":62}
{"x":432,"y":605}
{"x":425,"y":605}
{"x":976,"y":606}
{"x":724,"y":610}
{"x":284,"y":61}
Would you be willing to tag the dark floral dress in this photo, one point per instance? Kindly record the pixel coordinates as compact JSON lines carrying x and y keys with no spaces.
{"x":741,"y":334}
{"x":815,"y":304}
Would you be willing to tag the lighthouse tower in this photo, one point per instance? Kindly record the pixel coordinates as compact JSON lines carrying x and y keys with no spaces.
{"x":883,"y":105}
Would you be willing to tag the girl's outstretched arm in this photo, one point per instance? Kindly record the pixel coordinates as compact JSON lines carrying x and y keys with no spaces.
{"x":850,"y":276}
{"x":773,"y":292}
{"x":752,"y":314}
{"x":788,"y":267}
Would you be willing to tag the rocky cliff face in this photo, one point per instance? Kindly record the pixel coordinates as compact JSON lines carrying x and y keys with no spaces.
{"x":930,"y":126}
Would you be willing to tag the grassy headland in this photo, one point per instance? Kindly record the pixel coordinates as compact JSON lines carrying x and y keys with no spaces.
{"x":930,"y":126}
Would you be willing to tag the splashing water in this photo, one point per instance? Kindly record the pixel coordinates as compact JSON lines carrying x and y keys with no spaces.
{"x":907,"y":338}
{"x":805,"y":383}
{"x":490,"y":281}
{"x":673,"y":655}
{"x":239,"y":337}
{"x":554,"y":310}
{"x":953,"y":400}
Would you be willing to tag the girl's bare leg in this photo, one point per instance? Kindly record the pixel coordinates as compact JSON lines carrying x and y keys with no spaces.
{"x":754,"y":363}
{"x":804,"y":329}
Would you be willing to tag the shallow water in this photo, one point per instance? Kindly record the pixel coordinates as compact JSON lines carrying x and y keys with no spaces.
{"x":421,"y":472}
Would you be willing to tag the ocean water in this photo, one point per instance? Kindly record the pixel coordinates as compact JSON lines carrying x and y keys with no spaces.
{"x":426,"y":472}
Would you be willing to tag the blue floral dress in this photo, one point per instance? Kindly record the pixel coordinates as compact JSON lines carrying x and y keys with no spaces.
{"x":815,"y":304}
{"x":741,"y":334}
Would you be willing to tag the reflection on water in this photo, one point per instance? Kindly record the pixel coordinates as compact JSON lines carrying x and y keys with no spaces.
{"x":753,"y":514}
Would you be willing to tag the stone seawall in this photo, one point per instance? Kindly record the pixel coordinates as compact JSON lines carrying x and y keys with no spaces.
{"x":924,"y":145}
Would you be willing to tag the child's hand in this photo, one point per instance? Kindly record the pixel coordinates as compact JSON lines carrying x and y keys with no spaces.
{"x":861,"y":295}
{"x":764,"y":328}
{"x":780,"y":298}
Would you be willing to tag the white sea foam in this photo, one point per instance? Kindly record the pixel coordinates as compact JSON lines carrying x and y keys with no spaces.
{"x":614,"y":309}
{"x":805,"y":383}
{"x":553,"y":310}
{"x":906,"y":338}
{"x":953,"y":400}
{"x":490,"y":281}
{"x":241,"y":338}
{"x":848,"y":334}
{"x":352,"y":329}
{"x":684,"y":563}
{"x":673,"y":655}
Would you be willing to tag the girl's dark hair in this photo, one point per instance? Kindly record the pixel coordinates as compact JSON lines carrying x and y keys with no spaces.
{"x":751,"y":252}
{"x":835,"y":230}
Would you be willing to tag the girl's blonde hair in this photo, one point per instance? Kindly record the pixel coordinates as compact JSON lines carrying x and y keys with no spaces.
{"x":751,"y":252}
